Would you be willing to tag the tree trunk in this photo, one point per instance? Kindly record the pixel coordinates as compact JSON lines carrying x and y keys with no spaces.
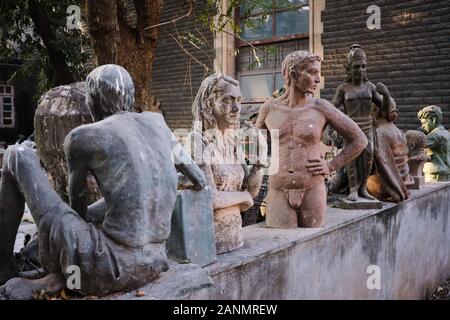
{"x":117,"y":28}
{"x":41,"y":20}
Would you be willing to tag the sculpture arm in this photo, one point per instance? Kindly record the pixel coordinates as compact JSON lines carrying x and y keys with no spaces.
{"x":349,"y":130}
{"x":338,"y":99}
{"x":262,"y":114}
{"x":74,"y":148}
{"x":378,"y":92}
{"x":431,"y":143}
{"x":254,"y":180}
{"x":225,"y":199}
{"x":185,"y":165}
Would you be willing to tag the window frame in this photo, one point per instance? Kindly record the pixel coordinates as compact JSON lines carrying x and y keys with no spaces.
{"x":12,"y":111}
{"x":271,"y":71}
{"x":240,"y":42}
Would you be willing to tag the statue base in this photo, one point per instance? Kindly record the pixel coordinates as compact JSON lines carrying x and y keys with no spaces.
{"x":419,"y":183}
{"x":192,"y":229}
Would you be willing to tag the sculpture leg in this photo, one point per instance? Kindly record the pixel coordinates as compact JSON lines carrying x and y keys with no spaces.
{"x":312,"y":211}
{"x":279,"y":212}
{"x":12,"y":206}
{"x":353,"y":179}
{"x":22,"y":181}
{"x":366,"y":166}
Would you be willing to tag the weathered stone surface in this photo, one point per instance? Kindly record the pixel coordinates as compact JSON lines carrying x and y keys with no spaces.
{"x":361,"y":204}
{"x":181,"y":281}
{"x":192,"y":228}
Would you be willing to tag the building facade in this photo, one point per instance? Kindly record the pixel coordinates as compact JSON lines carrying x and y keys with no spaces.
{"x":407,"y":45}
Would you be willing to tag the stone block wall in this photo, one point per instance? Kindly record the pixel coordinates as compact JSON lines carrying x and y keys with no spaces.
{"x":176,"y":75}
{"x":410,"y":53}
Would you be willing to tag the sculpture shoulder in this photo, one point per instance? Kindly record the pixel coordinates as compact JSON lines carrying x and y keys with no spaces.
{"x":325,"y":106}
{"x":341,"y":87}
{"x":267,"y":106}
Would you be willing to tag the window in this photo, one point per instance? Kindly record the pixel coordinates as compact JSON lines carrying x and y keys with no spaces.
{"x":280,"y":27}
{"x":6,"y":106}
{"x":285,"y":20}
{"x":259,"y":70}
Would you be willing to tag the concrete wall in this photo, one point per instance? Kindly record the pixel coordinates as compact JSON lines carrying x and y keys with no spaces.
{"x":410,"y":242}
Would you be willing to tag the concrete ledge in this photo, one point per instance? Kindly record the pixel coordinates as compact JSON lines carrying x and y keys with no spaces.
{"x":410,"y":242}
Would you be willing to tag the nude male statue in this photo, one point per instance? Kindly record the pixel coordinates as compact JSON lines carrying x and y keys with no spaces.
{"x":130,"y":155}
{"x":297,"y":195}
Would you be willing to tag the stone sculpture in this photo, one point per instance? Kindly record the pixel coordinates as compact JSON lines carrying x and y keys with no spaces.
{"x":130,"y":156}
{"x":216,"y":147}
{"x":356,"y":95}
{"x":60,"y":110}
{"x":296,"y":193}
{"x":438,"y":144}
{"x":391,"y":176}
{"x":417,"y":156}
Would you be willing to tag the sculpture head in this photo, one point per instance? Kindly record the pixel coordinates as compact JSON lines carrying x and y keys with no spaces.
{"x":218,"y":102}
{"x":109,"y":89}
{"x":416,"y":142}
{"x":301,"y":71}
{"x":356,"y":64}
{"x":430,"y":118}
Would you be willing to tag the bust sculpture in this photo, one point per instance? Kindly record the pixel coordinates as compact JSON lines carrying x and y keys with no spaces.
{"x":215,"y":145}
{"x":438,"y":144}
{"x":417,"y":156}
{"x":130,"y":156}
{"x":297,"y":193}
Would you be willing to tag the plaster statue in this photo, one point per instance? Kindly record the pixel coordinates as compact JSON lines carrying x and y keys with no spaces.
{"x":356,"y":95}
{"x":130,"y":156}
{"x":216,"y":147}
{"x":296,"y":193}
{"x":438,"y":144}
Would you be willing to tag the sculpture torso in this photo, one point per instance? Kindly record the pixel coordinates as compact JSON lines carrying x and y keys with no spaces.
{"x":438,"y":147}
{"x":300,"y":131}
{"x":358,"y":101}
{"x":397,"y":143}
{"x":133,"y":174}
{"x":228,"y":177}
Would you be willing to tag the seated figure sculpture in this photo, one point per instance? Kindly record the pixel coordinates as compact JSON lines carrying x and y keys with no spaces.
{"x":130,"y":155}
{"x":391,"y":177}
{"x":215,"y":145}
{"x":438,"y":144}
{"x":297,"y":193}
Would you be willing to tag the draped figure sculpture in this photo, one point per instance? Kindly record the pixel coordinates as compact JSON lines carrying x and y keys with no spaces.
{"x":297,"y":194}
{"x":356,"y":96}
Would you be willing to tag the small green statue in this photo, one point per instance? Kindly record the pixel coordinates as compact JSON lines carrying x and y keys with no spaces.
{"x":438,"y":144}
